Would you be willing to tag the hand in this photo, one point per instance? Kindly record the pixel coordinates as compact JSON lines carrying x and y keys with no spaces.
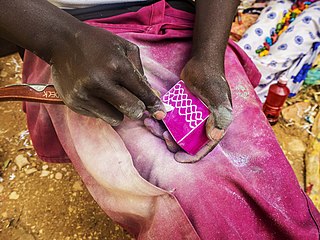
{"x":100,"y":74}
{"x":210,"y":85}
{"x":158,"y":129}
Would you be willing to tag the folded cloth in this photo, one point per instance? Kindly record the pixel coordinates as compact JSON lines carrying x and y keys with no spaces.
{"x":245,"y":188}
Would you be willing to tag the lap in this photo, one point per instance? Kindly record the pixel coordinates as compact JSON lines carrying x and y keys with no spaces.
{"x":136,"y":181}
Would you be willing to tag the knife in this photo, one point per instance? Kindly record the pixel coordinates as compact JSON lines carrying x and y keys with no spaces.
{"x":42,"y":93}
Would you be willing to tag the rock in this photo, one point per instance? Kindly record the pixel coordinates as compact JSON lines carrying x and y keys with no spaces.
{"x":295,"y":113}
{"x":3,"y":74}
{"x":44,"y":173}
{"x":13,"y":196}
{"x":296,"y":145}
{"x":4,"y":214}
{"x":1,"y":188}
{"x":12,"y":176}
{"x":58,"y":176}
{"x":45,"y":167}
{"x":77,"y":186}
{"x":30,"y":171}
{"x":21,"y":161}
{"x":312,"y":163}
{"x":70,"y":209}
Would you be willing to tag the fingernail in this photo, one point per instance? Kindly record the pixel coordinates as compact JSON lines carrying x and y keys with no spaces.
{"x":216,"y":134}
{"x":159,"y":115}
{"x":171,"y":144}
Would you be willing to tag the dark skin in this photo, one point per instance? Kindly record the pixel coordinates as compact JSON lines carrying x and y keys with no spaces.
{"x":99,"y":74}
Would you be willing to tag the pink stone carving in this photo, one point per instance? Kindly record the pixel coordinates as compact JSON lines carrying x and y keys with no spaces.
{"x":186,"y":121}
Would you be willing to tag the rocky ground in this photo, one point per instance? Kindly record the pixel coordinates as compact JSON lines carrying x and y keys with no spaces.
{"x":48,"y":201}
{"x":39,"y":200}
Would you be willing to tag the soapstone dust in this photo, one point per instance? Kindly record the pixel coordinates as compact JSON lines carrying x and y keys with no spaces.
{"x":48,"y":201}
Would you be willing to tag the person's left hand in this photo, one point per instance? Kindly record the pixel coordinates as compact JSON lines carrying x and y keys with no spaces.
{"x":206,"y":79}
{"x":209,"y":84}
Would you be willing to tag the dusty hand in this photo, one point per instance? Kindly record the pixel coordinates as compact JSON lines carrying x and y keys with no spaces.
{"x":100,"y":74}
{"x":210,"y":86}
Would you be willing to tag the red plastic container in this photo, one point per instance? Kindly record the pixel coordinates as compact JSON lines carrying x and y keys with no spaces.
{"x":276,"y":97}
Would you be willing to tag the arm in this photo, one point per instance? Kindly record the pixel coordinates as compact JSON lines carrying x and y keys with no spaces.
{"x":212,"y":29}
{"x":204,"y":73}
{"x":7,"y":48}
{"x":37,"y":26}
{"x":95,"y":72}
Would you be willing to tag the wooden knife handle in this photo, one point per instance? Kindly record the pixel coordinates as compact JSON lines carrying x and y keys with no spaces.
{"x":25,"y":92}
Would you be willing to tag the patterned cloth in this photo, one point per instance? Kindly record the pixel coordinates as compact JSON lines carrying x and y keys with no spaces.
{"x":294,"y":52}
{"x":244,"y":189}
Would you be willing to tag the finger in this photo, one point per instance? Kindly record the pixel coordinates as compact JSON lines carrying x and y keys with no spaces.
{"x":184,"y":157}
{"x":139,"y":86}
{"x":82,"y":111}
{"x":217,"y":97}
{"x":154,"y":127}
{"x":123,"y":100}
{"x":105,"y":111}
{"x":133,"y":54}
{"x":218,"y":122}
{"x":171,"y":144}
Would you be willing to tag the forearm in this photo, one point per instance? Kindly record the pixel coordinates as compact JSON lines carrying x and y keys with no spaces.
{"x":212,"y":28}
{"x":37,"y":26}
{"x":7,"y":48}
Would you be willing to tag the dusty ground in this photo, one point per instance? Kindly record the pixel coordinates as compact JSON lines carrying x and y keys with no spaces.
{"x":41,"y":201}
{"x":49,"y":201}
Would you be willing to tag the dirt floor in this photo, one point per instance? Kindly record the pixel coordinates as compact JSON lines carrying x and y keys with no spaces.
{"x":48,"y":201}
{"x":41,"y":200}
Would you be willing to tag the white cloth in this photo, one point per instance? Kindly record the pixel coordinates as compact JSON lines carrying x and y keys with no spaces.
{"x":67,"y":4}
{"x":292,"y":54}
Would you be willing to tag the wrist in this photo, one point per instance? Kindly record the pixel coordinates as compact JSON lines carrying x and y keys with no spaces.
{"x":60,"y":43}
{"x":211,"y":61}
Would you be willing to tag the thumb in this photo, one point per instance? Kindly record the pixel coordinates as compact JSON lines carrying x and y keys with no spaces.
{"x":133,"y":54}
{"x":218,"y":121}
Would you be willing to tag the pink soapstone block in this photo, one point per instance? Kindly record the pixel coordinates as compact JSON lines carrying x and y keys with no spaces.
{"x":186,"y":122}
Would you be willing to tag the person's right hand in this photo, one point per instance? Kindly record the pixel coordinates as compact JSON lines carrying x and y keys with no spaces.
{"x":100,"y":74}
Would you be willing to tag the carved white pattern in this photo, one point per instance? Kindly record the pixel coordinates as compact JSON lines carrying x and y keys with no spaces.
{"x":177,"y":98}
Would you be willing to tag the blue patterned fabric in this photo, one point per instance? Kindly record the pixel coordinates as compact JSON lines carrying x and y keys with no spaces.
{"x":294,"y":52}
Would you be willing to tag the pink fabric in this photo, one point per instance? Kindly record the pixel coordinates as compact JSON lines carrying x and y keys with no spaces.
{"x":245,"y":188}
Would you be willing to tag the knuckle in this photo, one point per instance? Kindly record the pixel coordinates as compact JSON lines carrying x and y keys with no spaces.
{"x":74,"y":97}
{"x":133,"y":48}
{"x":80,"y":93}
{"x":136,"y":49}
{"x":114,"y":66}
{"x":134,"y":111}
{"x":113,"y":122}
{"x":120,"y":66}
